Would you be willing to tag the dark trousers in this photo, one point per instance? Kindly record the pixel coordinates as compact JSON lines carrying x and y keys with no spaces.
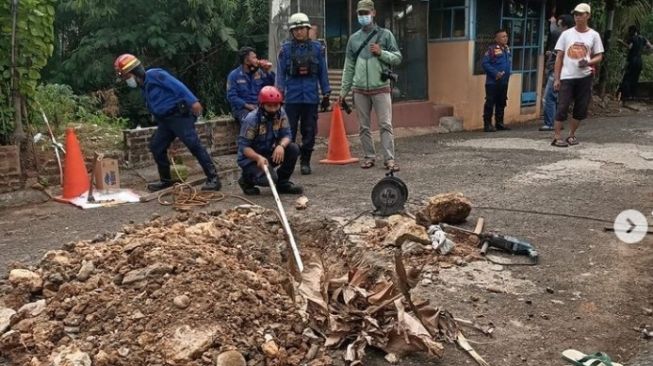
{"x":304,"y":117}
{"x":495,"y":103}
{"x":630,"y":80}
{"x":253,"y":175}
{"x":183,"y":128}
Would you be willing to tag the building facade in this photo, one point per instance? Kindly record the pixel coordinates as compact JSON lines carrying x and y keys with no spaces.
{"x":442,"y":42}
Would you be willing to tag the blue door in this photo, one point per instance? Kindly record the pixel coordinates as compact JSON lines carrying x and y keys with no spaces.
{"x":523,"y":21}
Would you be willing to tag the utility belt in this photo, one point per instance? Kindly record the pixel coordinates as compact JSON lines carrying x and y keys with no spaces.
{"x":179,"y":110}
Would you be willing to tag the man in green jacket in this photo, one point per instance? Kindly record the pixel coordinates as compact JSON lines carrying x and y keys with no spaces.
{"x":371,"y":52}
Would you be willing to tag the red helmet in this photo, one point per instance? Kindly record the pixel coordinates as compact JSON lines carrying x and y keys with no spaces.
{"x":270,"y":94}
{"x":125,"y":63}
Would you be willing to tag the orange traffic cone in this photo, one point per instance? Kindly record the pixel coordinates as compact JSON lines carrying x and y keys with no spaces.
{"x":338,"y":151}
{"x":75,"y":177}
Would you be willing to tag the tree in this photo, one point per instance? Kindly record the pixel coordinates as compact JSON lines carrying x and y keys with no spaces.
{"x":194,"y":39}
{"x":22,"y":56}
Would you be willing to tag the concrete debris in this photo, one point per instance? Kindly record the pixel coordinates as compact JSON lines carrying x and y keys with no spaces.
{"x":23,"y":277}
{"x":449,"y":208}
{"x":5,"y":318}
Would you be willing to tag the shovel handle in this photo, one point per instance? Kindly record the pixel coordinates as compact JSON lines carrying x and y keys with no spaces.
{"x":284,"y":220}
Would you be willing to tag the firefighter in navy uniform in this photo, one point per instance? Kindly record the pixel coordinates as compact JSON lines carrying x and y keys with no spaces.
{"x":246,"y":81}
{"x":497,"y":63}
{"x":301,"y":68}
{"x":175,"y":109}
{"x":265,"y":140}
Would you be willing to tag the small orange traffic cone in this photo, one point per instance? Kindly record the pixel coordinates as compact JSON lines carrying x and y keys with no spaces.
{"x":338,"y":151}
{"x":75,"y":177}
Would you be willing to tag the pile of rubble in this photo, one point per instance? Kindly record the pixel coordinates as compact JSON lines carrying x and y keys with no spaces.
{"x":172,"y":292}
{"x":215,"y":289}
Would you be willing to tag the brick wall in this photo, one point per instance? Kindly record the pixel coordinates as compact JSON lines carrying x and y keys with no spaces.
{"x":10,"y":174}
{"x":218,"y":136}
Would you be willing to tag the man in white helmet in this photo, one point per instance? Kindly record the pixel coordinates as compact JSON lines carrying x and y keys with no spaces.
{"x":301,"y":69}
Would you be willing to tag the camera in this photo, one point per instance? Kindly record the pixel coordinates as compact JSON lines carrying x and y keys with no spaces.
{"x":389,"y":75}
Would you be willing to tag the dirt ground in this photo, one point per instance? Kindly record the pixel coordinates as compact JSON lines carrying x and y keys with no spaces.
{"x":589,"y":290}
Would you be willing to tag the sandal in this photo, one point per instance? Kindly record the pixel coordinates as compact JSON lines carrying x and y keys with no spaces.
{"x":572,"y":140}
{"x":391,"y":166}
{"x":559,"y":143}
{"x":578,"y":358}
{"x":367,"y":163}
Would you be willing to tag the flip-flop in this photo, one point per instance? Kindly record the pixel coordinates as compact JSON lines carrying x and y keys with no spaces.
{"x":578,"y":358}
{"x":559,"y":143}
{"x":572,"y":140}
{"x":391,"y":166}
{"x":367,"y":163}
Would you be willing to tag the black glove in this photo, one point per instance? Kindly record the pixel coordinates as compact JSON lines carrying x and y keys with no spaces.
{"x":346,"y":106}
{"x":324,"y":106}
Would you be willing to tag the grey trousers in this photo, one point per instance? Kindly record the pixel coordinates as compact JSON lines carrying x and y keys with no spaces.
{"x":382,"y":104}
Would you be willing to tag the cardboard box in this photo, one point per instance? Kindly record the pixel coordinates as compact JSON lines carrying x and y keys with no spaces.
{"x":106,"y":174}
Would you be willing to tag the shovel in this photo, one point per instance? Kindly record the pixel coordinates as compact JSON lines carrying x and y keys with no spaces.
{"x":284,"y":220}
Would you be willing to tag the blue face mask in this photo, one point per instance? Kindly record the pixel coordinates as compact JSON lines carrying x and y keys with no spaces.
{"x":365,"y":20}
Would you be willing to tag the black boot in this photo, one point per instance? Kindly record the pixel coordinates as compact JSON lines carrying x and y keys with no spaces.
{"x":165,"y":182}
{"x":289,"y":187}
{"x":489,"y":128}
{"x":305,"y":164}
{"x":248,"y":188}
{"x":212,"y":184}
{"x":501,"y":127}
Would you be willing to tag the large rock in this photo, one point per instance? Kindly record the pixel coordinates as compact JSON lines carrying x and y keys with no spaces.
{"x":230,"y":358}
{"x":5,"y":318}
{"x":407,"y":230}
{"x":188,"y":343}
{"x":33,"y":308}
{"x":33,"y":281}
{"x":153,"y":271}
{"x":451,"y":124}
{"x":450,"y":208}
{"x":85,"y":271}
{"x":71,"y":356}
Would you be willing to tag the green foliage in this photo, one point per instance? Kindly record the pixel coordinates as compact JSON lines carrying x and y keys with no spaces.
{"x":34,"y":46}
{"x":194,"y":40}
{"x":62,"y":107}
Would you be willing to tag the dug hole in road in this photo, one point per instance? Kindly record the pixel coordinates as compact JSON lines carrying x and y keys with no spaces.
{"x":221,"y":280}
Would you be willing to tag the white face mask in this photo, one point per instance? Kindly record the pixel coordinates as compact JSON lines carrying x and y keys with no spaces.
{"x":131,"y":82}
{"x":365,"y":20}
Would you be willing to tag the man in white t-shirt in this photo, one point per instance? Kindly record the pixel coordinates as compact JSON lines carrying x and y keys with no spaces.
{"x":579,"y":51}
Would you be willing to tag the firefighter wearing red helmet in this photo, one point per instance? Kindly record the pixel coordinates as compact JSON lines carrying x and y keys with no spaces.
{"x":175,"y":109}
{"x":265,"y":139}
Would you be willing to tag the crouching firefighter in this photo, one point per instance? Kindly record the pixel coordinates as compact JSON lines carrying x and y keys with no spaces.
{"x":265,"y":139}
{"x":175,"y":110}
{"x":301,"y":67}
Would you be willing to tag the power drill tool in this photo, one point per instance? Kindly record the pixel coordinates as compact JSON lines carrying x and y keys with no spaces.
{"x":506,"y":243}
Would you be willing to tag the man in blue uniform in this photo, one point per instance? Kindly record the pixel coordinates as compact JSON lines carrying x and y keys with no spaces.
{"x":301,"y":66}
{"x":265,"y":139}
{"x":497,"y":63}
{"x":175,"y":110}
{"x":246,"y":81}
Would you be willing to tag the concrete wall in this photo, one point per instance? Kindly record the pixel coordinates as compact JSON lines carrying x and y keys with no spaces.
{"x":451,"y":81}
{"x":10,"y":174}
{"x":217,"y":136}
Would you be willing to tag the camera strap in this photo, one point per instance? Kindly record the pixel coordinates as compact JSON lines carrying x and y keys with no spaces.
{"x":365,"y":42}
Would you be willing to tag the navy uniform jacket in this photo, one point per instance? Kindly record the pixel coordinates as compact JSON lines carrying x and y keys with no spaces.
{"x":261,"y":134}
{"x":302,"y":89}
{"x":243,"y":87}
{"x":495,"y":60}
{"x":163,"y":92}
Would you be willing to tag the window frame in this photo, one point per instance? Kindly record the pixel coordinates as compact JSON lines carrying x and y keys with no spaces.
{"x":452,"y":9}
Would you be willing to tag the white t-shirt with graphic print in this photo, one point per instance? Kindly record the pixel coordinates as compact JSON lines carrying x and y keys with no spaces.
{"x":578,"y":46}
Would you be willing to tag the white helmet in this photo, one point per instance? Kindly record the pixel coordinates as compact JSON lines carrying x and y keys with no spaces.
{"x":298,"y":20}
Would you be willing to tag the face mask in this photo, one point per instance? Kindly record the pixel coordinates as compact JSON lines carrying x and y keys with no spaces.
{"x":131,"y":82}
{"x":365,"y":20}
